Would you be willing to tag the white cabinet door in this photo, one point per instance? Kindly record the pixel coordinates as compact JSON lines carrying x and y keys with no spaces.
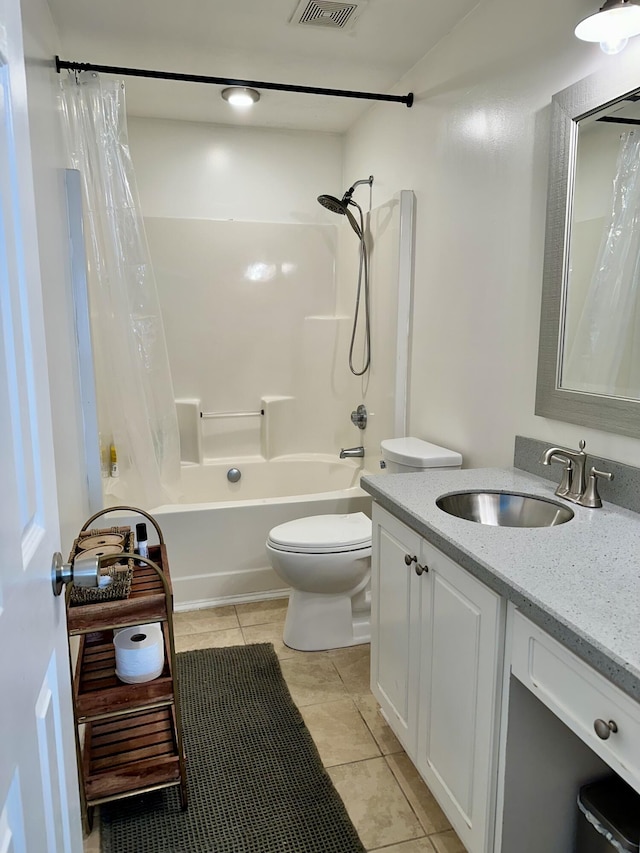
{"x":394,"y":624}
{"x":462,"y":629}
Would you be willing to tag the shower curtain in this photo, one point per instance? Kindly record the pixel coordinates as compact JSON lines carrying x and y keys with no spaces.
{"x":604,"y":357}
{"x":136,"y":408}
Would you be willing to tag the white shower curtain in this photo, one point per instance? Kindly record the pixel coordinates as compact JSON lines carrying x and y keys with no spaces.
{"x":604,"y":355}
{"x":136,"y":408}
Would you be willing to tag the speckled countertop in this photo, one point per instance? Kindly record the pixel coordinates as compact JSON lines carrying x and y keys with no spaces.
{"x":579,"y":581}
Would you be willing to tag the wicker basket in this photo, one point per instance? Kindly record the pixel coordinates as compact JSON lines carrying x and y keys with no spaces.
{"x":121,"y":574}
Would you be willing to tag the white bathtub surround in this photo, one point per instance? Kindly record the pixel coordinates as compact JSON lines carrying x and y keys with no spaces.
{"x":234,"y":223}
{"x":384,"y":389}
{"x":188,"y":412}
{"x":301,"y":352}
{"x":254,"y":289}
{"x":216,"y":536}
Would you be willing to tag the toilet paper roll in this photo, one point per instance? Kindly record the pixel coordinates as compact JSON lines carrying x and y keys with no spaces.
{"x":139,"y":653}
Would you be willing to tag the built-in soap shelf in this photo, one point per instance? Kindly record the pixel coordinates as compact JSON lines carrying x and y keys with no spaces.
{"x":259,"y":431}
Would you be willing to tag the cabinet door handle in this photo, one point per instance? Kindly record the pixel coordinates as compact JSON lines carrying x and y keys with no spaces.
{"x":420,"y":569}
{"x":408,"y":559}
{"x":604,"y":729}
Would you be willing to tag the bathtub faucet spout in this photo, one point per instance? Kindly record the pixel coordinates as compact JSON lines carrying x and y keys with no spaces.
{"x":351,"y":452}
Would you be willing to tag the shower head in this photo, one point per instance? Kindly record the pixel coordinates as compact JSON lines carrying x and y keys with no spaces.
{"x":341,"y":206}
{"x":333,"y":204}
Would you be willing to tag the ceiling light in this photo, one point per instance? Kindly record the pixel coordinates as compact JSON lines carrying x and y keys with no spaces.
{"x":240,"y":96}
{"x":613,"y":25}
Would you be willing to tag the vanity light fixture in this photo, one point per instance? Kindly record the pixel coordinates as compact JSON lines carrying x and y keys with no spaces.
{"x":241,"y":96}
{"x":613,"y":25}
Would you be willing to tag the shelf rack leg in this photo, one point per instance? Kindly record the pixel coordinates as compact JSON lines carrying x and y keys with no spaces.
{"x":174,"y":671}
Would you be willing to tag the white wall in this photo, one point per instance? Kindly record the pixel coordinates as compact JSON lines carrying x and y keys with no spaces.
{"x":41,"y":45}
{"x":475,"y":148}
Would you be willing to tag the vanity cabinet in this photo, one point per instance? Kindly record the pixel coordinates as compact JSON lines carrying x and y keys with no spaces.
{"x":600,"y":714}
{"x":437,"y":652}
{"x":395,"y":610}
{"x":462,"y":642}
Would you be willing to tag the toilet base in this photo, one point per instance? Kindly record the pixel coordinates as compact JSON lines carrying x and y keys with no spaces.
{"x":316,"y":622}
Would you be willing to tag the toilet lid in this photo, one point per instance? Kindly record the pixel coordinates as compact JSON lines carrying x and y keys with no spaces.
{"x":322,"y":534}
{"x":419,"y":454}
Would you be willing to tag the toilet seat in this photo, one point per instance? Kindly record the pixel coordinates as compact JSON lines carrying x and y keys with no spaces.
{"x":323,"y":534}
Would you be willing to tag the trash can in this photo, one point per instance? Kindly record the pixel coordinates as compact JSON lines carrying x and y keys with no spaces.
{"x":610,"y":817}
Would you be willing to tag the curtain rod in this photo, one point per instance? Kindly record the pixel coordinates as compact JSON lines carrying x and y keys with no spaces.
{"x":225,"y":81}
{"x":617,"y":120}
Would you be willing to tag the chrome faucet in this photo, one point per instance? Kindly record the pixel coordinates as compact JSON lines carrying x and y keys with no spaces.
{"x":351,"y":452}
{"x":574,"y":485}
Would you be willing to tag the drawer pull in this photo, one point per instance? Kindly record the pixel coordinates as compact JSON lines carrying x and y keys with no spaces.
{"x":420,"y":569}
{"x":408,"y":559}
{"x":603,"y":729}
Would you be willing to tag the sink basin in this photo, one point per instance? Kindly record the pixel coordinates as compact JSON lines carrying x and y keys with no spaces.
{"x":505,"y":509}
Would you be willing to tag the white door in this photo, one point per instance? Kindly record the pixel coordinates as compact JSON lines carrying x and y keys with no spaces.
{"x":39,"y":807}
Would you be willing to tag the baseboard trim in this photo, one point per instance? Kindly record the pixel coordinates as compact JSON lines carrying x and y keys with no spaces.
{"x":226,"y":600}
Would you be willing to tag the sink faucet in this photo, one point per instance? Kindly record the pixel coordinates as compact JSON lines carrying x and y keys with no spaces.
{"x":574,"y":485}
{"x":351,"y":452}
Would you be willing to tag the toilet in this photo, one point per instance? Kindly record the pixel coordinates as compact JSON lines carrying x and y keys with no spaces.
{"x":326,"y":560}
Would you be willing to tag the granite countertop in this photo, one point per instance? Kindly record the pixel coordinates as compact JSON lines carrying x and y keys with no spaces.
{"x":579,"y":581}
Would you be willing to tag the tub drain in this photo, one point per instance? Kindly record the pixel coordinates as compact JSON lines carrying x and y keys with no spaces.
{"x":233,"y":475}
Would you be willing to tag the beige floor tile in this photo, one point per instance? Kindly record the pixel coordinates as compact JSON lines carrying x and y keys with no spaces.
{"x":375,"y":803}
{"x":354,"y":665}
{"x":210,"y":619}
{"x":312,"y":679}
{"x":260,"y":612}
{"x":447,"y":842}
{"x":210,"y":640}
{"x":419,"y":845}
{"x":271,"y":632}
{"x":378,"y":726}
{"x":429,"y":813}
{"x":339,"y":732}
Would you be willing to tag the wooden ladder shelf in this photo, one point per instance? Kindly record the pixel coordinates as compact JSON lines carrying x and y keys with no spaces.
{"x":128,"y":736}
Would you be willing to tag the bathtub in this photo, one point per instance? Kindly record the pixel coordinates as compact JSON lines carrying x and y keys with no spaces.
{"x":216,"y":534}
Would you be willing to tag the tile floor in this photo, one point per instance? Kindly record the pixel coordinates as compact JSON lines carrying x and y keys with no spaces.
{"x":391,"y":808}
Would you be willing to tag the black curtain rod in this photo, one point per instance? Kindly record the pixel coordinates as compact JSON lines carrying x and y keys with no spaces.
{"x":617,"y":120}
{"x":225,"y":81}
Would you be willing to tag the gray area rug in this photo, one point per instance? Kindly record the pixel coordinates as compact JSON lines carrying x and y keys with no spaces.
{"x":256,"y":781}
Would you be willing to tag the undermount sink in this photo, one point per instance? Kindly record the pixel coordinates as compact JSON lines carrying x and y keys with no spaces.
{"x":505,"y":509}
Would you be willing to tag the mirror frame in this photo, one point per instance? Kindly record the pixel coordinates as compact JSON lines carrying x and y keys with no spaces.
{"x":590,"y":95}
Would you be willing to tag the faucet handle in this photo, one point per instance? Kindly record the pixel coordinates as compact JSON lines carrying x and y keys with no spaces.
{"x":591,"y":497}
{"x":582,"y":444}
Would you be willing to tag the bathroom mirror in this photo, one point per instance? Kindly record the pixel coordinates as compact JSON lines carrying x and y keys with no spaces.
{"x":589,"y":351}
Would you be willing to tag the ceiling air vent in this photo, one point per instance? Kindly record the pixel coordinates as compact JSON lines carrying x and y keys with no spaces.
{"x":327,"y":15}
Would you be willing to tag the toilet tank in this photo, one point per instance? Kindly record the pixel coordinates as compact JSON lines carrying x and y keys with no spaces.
{"x":402,"y":455}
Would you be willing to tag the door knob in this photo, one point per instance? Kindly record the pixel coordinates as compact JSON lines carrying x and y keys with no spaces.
{"x":408,"y":559}
{"x":83,"y":571}
{"x":420,"y":569}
